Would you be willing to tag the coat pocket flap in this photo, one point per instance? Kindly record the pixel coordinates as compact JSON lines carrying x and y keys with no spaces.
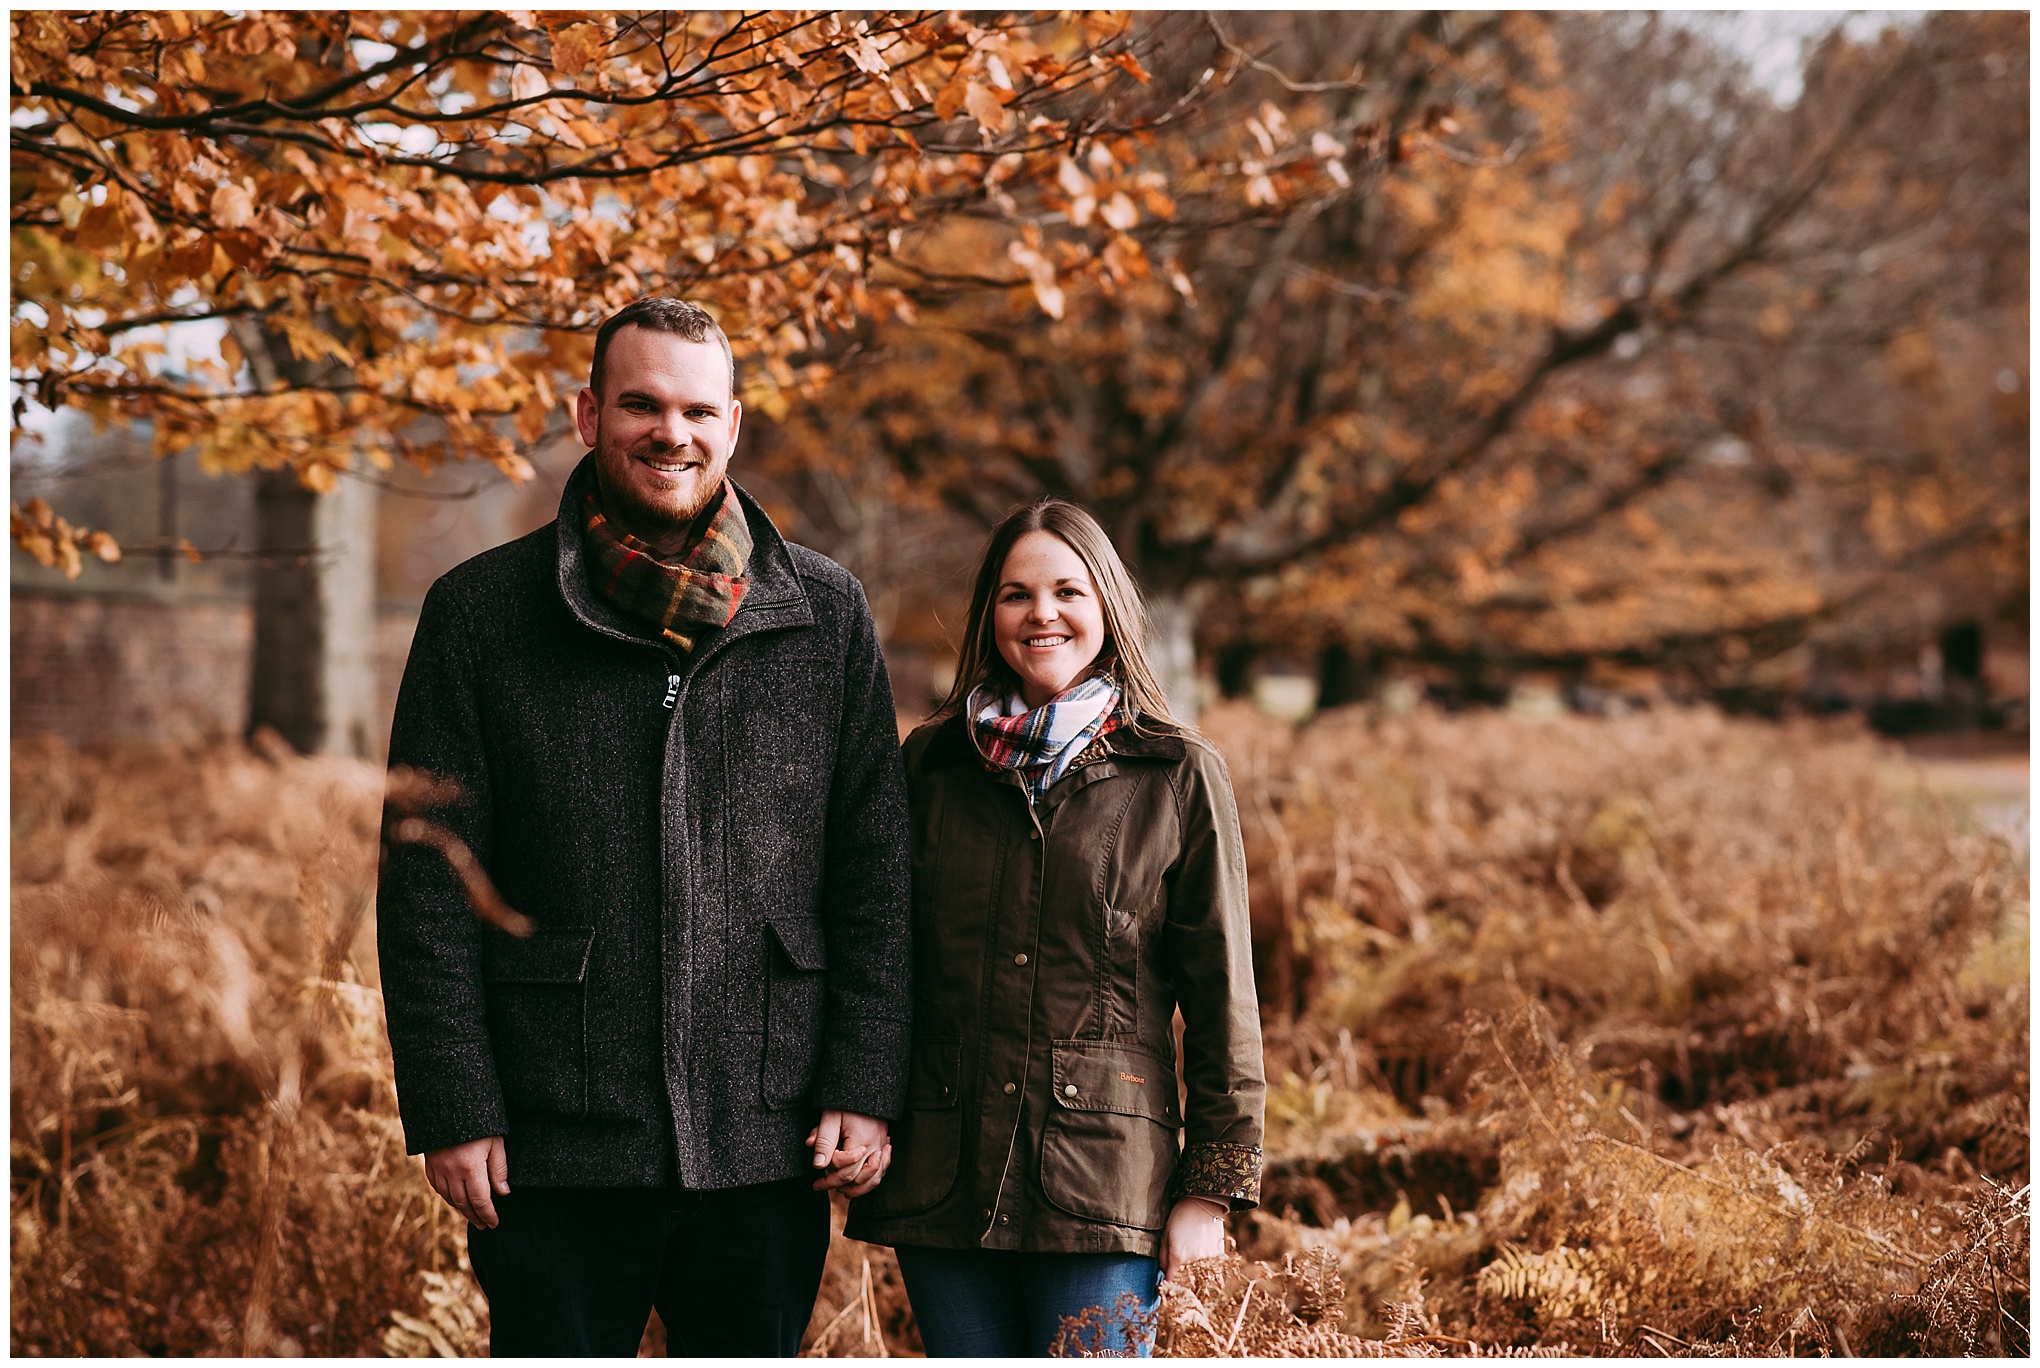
{"x":1101,"y":1075}
{"x":545,"y":957}
{"x":932,"y":1074}
{"x":801,"y":943}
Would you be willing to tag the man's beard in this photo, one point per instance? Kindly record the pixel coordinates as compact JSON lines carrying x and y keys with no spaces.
{"x":651,"y":522}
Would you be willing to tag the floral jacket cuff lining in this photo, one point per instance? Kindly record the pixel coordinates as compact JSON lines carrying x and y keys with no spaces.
{"x":1223,"y":1172}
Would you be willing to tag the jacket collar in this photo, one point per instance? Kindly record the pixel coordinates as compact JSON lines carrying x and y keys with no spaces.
{"x":950,"y":745}
{"x":776,"y":597}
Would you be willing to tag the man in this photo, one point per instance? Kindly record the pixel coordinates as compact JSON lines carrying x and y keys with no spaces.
{"x":676,"y":751}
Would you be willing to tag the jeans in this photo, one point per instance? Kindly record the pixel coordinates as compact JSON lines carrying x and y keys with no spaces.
{"x":996,"y":1303}
{"x":577,"y":1271}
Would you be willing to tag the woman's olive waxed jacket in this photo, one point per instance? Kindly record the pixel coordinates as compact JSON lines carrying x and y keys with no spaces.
{"x":1052,"y":947}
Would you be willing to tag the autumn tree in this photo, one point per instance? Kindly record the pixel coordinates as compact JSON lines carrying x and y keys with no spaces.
{"x":411,"y":223}
{"x":1816,"y":438}
{"x":1479,"y":372}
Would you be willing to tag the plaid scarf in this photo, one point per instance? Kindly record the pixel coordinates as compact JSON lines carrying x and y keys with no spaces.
{"x":1041,"y":743}
{"x":702,"y":588}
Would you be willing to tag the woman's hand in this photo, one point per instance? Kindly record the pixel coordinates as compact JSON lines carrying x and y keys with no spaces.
{"x":1196,"y":1230}
{"x":852,"y":1152}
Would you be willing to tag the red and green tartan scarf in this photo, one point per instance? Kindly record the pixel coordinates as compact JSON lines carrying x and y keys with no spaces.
{"x":699,"y":589}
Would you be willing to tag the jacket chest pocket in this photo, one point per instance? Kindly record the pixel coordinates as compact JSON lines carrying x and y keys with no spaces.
{"x":536,"y":995}
{"x":1119,"y":954}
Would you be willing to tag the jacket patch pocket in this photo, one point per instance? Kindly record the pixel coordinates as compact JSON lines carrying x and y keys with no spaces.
{"x":796,"y":977}
{"x":928,"y":1135}
{"x":536,"y":1001}
{"x":1109,"y":1144}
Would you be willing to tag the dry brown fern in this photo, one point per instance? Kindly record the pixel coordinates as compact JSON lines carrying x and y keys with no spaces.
{"x":1564,"y":1284}
{"x":206,"y":1152}
{"x":453,"y":1322}
{"x":1976,"y":1298}
{"x":1776,"y":1101}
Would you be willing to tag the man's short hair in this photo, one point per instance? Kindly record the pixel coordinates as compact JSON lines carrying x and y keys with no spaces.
{"x":680,"y":316}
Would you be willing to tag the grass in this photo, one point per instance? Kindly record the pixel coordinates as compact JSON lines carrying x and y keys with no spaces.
{"x":1662,"y":1035}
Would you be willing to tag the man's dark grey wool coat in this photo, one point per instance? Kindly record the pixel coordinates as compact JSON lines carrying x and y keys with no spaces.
{"x":714,"y":849}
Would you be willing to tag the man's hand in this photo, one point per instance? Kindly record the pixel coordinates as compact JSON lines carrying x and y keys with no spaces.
{"x":1196,"y":1230}
{"x":854,"y":1149}
{"x":466,"y":1174}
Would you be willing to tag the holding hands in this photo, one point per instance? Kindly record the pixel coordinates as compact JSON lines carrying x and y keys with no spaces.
{"x":851,"y":1152}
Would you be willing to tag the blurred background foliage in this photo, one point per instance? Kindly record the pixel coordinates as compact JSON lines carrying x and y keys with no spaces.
{"x":1588,"y":352}
{"x":1455,"y":349}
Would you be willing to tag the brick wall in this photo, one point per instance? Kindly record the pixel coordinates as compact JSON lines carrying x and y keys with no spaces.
{"x":128,"y":668}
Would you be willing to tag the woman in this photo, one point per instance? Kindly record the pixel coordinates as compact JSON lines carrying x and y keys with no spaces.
{"x":1078,"y":877}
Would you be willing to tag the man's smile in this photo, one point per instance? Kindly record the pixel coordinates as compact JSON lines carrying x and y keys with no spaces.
{"x":668,"y":465}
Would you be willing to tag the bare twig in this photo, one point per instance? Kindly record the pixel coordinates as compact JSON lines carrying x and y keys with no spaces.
{"x":1288,"y":83}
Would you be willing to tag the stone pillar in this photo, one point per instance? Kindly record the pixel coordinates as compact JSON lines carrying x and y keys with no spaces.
{"x":314,"y":653}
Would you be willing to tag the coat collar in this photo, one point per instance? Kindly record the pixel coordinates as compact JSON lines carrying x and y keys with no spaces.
{"x":776,"y":597}
{"x":950,"y":745}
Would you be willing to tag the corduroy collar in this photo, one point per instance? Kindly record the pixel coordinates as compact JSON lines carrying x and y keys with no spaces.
{"x":776,"y":593}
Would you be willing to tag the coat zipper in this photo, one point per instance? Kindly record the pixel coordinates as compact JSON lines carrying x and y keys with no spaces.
{"x":677,"y":671}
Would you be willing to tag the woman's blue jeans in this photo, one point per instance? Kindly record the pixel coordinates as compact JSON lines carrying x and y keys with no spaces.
{"x":997,"y":1303}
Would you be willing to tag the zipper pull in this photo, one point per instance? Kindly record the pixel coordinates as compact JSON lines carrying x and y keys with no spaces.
{"x":672,"y":691}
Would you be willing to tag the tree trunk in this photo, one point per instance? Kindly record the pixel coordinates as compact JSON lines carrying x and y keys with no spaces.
{"x":314,"y":668}
{"x":1172,"y":651}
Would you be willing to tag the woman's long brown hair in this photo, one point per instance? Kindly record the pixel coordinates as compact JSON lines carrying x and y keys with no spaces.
{"x":1124,"y":653}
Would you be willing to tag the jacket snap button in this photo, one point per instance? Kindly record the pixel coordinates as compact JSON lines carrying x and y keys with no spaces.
{"x":1070,"y":1090}
{"x":985,"y":1215}
{"x":1005,"y":1220}
{"x":1019,"y":959}
{"x":1010,"y":1089}
{"x":1033,"y":835}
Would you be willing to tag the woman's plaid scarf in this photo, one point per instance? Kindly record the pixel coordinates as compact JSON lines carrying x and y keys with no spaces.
{"x":701,"y":589}
{"x":1042,"y":742}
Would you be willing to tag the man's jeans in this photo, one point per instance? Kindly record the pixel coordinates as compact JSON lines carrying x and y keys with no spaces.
{"x":997,"y":1303}
{"x":577,"y":1271}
